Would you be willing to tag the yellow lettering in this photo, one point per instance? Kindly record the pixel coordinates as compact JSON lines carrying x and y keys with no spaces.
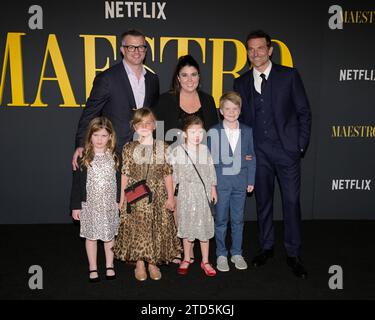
{"x":356,"y":131}
{"x":13,"y":56}
{"x":285,"y":55}
{"x":362,"y":134}
{"x":350,"y":131}
{"x":90,"y":58}
{"x":14,"y":53}
{"x":352,"y":18}
{"x":335,"y":131}
{"x":53,"y":50}
{"x":151,"y":43}
{"x":218,"y":64}
{"x":345,"y":132}
{"x":364,"y":16}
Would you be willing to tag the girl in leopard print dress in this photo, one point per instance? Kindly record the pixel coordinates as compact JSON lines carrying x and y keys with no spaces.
{"x":147,"y":233}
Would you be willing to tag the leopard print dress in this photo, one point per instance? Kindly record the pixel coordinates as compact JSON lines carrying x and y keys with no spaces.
{"x":149,"y":232}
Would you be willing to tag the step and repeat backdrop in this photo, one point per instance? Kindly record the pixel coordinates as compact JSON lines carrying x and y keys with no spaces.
{"x":50,"y":52}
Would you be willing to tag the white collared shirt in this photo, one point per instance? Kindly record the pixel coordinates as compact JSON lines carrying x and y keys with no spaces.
{"x":258,"y":79}
{"x":138,"y":86}
{"x":232,"y":135}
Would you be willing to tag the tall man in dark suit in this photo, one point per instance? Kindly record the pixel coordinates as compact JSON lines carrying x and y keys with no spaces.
{"x":119,"y":90}
{"x":275,"y":105}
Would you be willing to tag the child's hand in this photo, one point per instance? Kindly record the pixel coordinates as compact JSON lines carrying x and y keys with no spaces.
{"x":170,"y":204}
{"x":121,"y":203}
{"x":250,"y":188}
{"x":122,"y":200}
{"x":76,"y":213}
{"x":248,"y":157}
{"x":213,"y":194}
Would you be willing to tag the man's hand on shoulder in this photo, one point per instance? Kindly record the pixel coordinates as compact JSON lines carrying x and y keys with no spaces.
{"x":78,"y":153}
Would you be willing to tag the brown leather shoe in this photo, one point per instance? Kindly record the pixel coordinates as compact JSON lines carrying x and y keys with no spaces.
{"x":140,"y":275}
{"x":155,"y":273}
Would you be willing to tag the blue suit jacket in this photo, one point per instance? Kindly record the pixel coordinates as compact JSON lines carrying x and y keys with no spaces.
{"x":231,"y":167}
{"x":289,"y":102}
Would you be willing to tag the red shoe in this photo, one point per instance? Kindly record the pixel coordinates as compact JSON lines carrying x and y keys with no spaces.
{"x":183,"y":271}
{"x":209,"y":273}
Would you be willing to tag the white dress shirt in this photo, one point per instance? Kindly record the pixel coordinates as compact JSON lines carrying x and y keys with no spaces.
{"x":232,"y":135}
{"x":258,"y":79}
{"x":138,"y":86}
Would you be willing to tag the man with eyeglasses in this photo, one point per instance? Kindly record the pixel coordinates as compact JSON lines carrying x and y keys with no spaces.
{"x":118,"y":91}
{"x":275,"y":105}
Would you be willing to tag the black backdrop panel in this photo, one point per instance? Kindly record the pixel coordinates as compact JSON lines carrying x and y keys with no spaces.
{"x":37,"y":142}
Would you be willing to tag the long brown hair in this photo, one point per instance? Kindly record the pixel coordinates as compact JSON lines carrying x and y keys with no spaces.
{"x":95,"y":125}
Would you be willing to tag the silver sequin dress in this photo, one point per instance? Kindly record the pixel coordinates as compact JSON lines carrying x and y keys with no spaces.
{"x":194,"y":218}
{"x":99,"y":215}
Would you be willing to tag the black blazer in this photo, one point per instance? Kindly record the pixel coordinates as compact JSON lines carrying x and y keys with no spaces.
{"x":289,"y":103}
{"x":79,"y":192}
{"x":112,"y":97}
{"x":168,"y":110}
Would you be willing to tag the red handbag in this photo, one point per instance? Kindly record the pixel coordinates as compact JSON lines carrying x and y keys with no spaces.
{"x":137,"y":191}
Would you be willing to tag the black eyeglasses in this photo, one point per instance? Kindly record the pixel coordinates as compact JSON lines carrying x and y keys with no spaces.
{"x":133,"y":48}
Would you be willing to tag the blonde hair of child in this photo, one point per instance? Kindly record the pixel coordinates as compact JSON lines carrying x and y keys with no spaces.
{"x":231,"y":96}
{"x":141,"y":114}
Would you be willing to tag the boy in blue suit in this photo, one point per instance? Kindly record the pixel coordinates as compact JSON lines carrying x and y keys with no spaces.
{"x":231,"y":146}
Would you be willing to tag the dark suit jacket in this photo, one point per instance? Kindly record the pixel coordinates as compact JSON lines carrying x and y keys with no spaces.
{"x":79,"y":194}
{"x":290,"y":106}
{"x":231,"y":168}
{"x":168,"y":109}
{"x":112,"y":97}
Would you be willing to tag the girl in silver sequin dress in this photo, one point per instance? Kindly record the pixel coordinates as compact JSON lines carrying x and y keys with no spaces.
{"x":95,"y":194}
{"x":194,"y":218}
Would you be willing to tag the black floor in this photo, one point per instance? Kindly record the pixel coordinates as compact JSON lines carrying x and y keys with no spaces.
{"x":61,"y":254}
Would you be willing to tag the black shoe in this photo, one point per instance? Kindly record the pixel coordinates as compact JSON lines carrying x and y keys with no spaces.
{"x":97,"y":279}
{"x":262,"y":258}
{"x":113,"y":277}
{"x":297,"y":267}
